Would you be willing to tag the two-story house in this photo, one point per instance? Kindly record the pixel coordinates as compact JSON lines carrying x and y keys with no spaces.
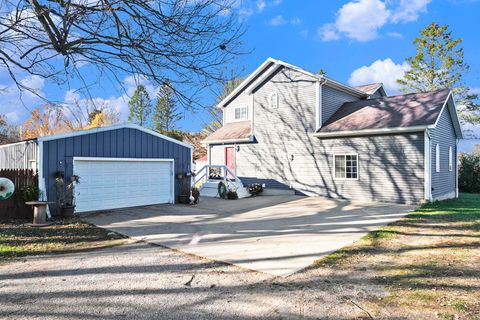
{"x":301,"y":132}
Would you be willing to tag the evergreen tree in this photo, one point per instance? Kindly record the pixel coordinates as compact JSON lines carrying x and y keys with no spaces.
{"x":140,"y":107}
{"x":166,"y":113}
{"x":439,"y":64}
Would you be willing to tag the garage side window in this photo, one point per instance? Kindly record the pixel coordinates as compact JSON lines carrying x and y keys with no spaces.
{"x":241,"y":113}
{"x":346,"y":166}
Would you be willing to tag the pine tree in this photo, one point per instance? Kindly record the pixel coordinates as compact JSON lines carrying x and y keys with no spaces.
{"x":439,"y":64}
{"x":140,"y":107}
{"x":166,"y":114}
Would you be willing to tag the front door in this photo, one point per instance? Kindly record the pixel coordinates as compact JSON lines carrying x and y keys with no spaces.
{"x":230,"y":158}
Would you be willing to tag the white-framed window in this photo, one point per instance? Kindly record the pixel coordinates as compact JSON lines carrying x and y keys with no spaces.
{"x":437,"y":157}
{"x":241,"y":113}
{"x":273,"y":101}
{"x":450,"y":159}
{"x":345,"y":166}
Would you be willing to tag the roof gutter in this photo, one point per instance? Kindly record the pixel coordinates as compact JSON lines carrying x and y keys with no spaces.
{"x":249,"y":139}
{"x":366,"y":132}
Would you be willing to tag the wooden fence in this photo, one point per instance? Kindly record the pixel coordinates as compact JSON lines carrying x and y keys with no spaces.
{"x":15,"y":207}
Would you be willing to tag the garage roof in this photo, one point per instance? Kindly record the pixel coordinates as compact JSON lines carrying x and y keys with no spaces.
{"x":109,"y":128}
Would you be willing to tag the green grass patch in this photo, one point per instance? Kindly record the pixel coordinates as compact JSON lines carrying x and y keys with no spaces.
{"x":387,"y":232}
{"x":465,"y":208}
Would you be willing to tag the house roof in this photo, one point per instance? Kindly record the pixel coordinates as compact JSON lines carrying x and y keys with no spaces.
{"x":239,"y":131}
{"x":370,"y":88}
{"x":409,"y":112}
{"x":252,"y":80}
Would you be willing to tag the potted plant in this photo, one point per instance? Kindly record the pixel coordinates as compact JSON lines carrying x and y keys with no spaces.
{"x":65,"y":194}
{"x":255,"y":189}
{"x":196,"y":195}
{"x":68,"y":207}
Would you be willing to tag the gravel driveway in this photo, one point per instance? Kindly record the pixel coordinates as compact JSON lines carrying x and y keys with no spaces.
{"x":142,"y":281}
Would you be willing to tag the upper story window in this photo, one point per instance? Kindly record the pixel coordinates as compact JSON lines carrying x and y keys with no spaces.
{"x":450,"y":159}
{"x":273,"y":101}
{"x":437,"y":157}
{"x":241,"y":113}
{"x":345,"y":166}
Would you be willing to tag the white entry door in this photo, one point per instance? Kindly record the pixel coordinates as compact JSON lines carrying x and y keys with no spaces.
{"x":110,"y":183}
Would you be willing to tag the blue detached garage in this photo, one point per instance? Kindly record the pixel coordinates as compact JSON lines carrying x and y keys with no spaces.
{"x":118,"y":166}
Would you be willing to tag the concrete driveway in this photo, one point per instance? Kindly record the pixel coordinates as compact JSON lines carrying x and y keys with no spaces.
{"x":278,"y":235}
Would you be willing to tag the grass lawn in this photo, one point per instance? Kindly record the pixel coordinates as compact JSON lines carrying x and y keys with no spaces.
{"x":19,"y":240}
{"x":429,"y":262}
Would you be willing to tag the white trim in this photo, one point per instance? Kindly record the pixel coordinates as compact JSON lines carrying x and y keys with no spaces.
{"x":240,"y":119}
{"x":109,"y":128}
{"x":346,"y":154}
{"x":437,"y":157}
{"x":456,"y":122}
{"x":427,"y":167}
{"x":172,"y":161}
{"x":318,"y":111}
{"x":370,"y":131}
{"x":262,"y":78}
{"x":123,"y":159}
{"x":450,"y":159}
{"x":270,"y":61}
{"x":250,"y":139}
{"x":252,"y":103}
{"x":15,"y":143}
{"x":244,"y":82}
{"x":456,"y":167}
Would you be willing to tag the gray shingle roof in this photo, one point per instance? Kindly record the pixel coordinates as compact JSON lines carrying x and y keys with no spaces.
{"x":409,"y":110}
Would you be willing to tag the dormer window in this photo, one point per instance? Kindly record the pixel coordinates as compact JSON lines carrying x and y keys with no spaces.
{"x":274,"y":101}
{"x":240,"y":113}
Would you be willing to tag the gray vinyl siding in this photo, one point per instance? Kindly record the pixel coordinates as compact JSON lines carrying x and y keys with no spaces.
{"x":332,"y":100}
{"x":19,"y":155}
{"x":118,"y":143}
{"x":443,"y":182}
{"x":242,"y":100}
{"x":285,"y":153}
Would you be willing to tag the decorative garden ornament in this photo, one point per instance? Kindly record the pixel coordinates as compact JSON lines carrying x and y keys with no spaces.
{"x":6,"y":188}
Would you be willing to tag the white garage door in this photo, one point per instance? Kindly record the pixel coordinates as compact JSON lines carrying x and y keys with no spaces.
{"x":109,"y":183}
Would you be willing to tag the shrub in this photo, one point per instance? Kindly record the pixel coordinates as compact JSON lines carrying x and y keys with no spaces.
{"x":255,"y":189}
{"x":30,"y":193}
{"x":469,"y":173}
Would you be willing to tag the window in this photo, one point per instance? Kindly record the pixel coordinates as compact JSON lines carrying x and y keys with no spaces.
{"x":346,"y":166}
{"x":450,"y":159}
{"x":274,"y":101}
{"x":240,"y":113}
{"x":437,"y":158}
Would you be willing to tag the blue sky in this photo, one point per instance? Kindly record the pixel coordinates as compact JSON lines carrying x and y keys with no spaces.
{"x":356,"y":42}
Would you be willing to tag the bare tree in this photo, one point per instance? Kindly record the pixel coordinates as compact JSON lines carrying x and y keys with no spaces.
{"x":188,"y":42}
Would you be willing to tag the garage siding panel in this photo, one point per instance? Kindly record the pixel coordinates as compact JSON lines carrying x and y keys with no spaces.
{"x":118,"y":143}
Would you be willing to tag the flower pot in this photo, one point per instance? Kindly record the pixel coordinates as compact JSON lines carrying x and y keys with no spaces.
{"x":184,"y":198}
{"x":67,"y":211}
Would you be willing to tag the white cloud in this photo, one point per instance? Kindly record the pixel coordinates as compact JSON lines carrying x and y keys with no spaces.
{"x":244,"y":13}
{"x":261,"y":5}
{"x":361,"y":20}
{"x":409,"y":10}
{"x":277,"y":21}
{"x":395,"y":34}
{"x":328,"y":32}
{"x":304,"y":33}
{"x":385,"y":71}
{"x":358,"y":20}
